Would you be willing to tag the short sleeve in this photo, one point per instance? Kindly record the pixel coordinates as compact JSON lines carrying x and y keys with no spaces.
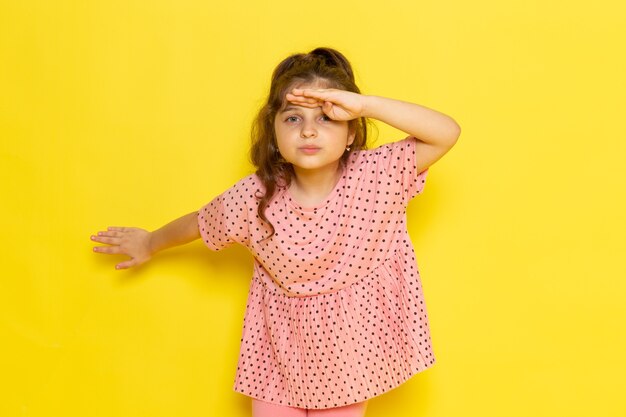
{"x":223,"y":221}
{"x":400,"y":163}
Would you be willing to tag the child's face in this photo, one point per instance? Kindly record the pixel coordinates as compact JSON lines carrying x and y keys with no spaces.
{"x":309,"y":139}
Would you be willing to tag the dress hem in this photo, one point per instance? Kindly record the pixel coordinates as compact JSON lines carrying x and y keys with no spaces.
{"x":414,"y":372}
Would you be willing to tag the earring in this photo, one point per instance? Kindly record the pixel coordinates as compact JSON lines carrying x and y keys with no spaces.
{"x":348,"y":148}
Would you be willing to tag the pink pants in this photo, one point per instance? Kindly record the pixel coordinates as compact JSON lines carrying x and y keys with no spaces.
{"x":265,"y":409}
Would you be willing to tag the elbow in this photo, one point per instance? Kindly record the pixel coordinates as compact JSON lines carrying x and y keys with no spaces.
{"x":458,"y":133}
{"x":454,"y":134}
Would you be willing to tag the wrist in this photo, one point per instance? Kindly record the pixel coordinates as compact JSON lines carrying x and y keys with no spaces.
{"x":369,"y":103}
{"x":152,"y":249}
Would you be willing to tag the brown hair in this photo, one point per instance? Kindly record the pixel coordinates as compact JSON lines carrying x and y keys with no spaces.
{"x":321,"y":64}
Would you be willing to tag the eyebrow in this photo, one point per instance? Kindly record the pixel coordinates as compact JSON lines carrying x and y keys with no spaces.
{"x":290,"y":107}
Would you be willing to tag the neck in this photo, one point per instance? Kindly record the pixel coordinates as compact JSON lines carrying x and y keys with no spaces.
{"x":318,"y":182}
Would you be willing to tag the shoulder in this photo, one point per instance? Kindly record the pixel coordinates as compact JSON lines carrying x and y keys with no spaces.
{"x":384,"y":151}
{"x":398,"y":146}
{"x":249,"y":183}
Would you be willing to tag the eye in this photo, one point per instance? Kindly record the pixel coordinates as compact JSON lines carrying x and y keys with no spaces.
{"x":292,"y":119}
{"x":327,"y":118}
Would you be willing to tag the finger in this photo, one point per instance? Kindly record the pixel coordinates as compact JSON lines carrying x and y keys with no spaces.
{"x":107,"y":249}
{"x":309,"y":105}
{"x":118,"y":228}
{"x":125,"y":264}
{"x":313,"y":95}
{"x":304,"y":91}
{"x":320,"y":99}
{"x":298,"y":99}
{"x":111,"y":233}
{"x":320,"y":93}
{"x":105,"y":239}
{"x":102,"y":235}
{"x":298,"y":93}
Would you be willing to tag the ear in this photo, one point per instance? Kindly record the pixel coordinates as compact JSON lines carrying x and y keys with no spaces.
{"x":351,"y":135}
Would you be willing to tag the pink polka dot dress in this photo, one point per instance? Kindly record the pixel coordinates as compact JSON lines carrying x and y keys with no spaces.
{"x":335,"y":312}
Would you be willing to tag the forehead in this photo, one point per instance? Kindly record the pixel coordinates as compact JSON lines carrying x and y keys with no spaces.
{"x":317,"y":83}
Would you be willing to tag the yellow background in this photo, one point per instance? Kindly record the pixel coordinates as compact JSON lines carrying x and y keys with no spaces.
{"x":133,"y":113}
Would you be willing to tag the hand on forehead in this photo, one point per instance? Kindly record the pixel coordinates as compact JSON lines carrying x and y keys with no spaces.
{"x":335,"y":103}
{"x":308,"y":97}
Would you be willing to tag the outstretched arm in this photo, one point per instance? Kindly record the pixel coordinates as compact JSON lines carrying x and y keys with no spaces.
{"x":141,"y":244}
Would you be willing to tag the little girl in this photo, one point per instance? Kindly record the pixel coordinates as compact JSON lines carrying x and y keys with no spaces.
{"x":335,"y":313}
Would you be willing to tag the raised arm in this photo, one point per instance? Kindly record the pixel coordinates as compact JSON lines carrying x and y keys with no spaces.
{"x":435,"y":132}
{"x":141,"y":244}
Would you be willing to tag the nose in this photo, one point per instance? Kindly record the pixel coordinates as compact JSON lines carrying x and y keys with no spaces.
{"x":308,"y":130}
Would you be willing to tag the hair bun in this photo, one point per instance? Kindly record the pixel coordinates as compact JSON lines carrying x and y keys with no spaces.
{"x":334,"y":58}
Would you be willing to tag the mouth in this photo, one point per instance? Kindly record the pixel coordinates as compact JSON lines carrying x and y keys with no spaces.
{"x":309,"y":149}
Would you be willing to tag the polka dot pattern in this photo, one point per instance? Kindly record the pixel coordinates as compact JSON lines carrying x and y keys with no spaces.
{"x":336,"y":311}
